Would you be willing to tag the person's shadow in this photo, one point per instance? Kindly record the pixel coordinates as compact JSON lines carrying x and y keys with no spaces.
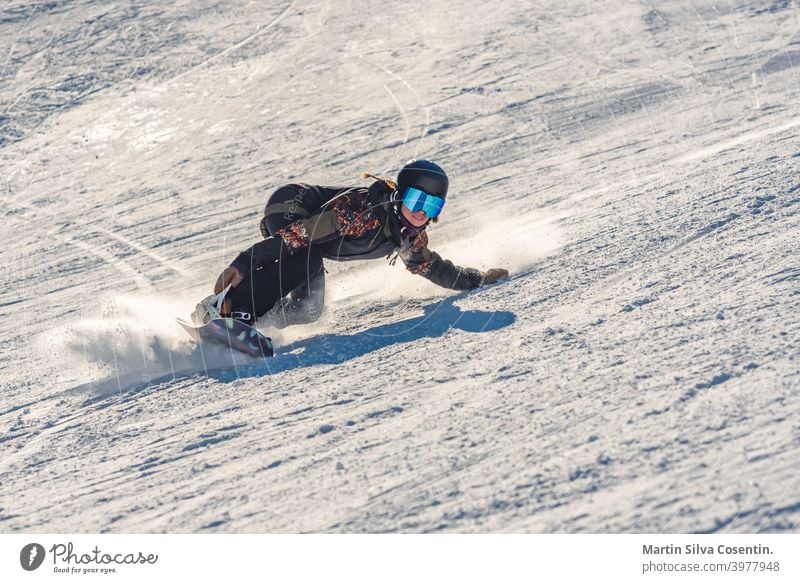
{"x":438,"y":318}
{"x":338,"y":348}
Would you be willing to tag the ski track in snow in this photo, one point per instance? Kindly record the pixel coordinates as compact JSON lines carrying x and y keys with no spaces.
{"x":632,"y":163}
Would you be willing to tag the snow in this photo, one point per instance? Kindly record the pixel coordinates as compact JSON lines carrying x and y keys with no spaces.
{"x":633,"y":165}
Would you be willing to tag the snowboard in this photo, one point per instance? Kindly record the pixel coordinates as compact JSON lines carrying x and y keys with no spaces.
{"x":232,"y":333}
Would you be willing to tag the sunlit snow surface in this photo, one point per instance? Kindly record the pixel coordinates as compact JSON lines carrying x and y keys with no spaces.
{"x":633,"y":163}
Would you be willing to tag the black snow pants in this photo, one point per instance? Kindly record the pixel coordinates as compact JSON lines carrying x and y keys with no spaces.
{"x":300,"y":276}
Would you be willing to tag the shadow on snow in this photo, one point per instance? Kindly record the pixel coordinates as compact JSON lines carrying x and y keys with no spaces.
{"x":339,"y":348}
{"x":436,"y":321}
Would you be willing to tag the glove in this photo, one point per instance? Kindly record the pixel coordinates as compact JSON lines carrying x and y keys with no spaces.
{"x":230,"y":276}
{"x":493,"y":275}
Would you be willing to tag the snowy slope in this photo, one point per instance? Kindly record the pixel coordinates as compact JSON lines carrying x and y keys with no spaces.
{"x":633,"y":163}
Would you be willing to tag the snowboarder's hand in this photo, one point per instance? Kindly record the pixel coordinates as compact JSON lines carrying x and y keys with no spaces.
{"x":230,"y":276}
{"x":493,"y":275}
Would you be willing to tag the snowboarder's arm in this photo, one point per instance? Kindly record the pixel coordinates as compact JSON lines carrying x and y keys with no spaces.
{"x":231,"y":276}
{"x":444,"y":273}
{"x":422,"y":261}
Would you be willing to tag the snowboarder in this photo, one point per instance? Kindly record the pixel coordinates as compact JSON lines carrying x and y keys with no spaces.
{"x":302,"y":224}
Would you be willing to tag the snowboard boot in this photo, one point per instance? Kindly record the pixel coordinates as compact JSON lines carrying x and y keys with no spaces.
{"x":218,"y":306}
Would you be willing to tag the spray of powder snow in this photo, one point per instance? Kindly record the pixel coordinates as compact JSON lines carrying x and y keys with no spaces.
{"x":515,"y":243}
{"x":135,"y":341}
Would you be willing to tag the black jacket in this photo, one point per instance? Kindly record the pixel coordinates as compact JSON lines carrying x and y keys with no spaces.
{"x":351,"y":223}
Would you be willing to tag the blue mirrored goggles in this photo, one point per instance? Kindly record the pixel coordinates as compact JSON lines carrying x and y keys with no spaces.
{"x":418,"y":200}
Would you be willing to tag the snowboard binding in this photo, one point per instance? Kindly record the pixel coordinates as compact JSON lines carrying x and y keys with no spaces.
{"x":210,"y":308}
{"x":234,"y":330}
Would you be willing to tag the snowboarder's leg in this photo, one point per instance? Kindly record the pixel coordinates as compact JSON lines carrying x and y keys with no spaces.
{"x":304,"y":304}
{"x":263,"y":288}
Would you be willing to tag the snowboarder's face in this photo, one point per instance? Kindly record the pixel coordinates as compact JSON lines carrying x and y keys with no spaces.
{"x":417,"y":218}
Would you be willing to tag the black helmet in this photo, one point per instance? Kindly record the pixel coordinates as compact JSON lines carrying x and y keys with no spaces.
{"x":422,"y":174}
